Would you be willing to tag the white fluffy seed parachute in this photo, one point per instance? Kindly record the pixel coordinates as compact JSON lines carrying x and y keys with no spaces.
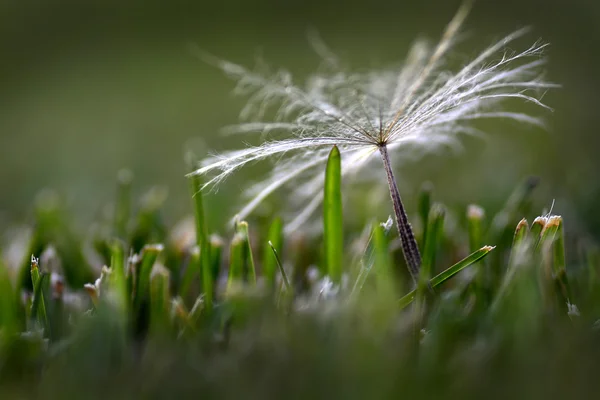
{"x":420,"y":104}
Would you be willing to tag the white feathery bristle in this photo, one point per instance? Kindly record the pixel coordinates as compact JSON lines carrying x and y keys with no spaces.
{"x":419,"y":106}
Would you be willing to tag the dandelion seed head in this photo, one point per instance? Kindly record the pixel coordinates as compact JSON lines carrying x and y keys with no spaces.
{"x":421,"y":105}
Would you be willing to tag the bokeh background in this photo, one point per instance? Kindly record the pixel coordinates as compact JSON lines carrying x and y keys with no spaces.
{"x":87,"y":88}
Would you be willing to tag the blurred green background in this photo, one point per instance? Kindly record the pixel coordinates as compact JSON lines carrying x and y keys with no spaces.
{"x":88,"y":88}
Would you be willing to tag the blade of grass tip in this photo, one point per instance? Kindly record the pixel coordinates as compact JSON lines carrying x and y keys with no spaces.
{"x":123,"y":203}
{"x":560,"y":265}
{"x":536,"y":229}
{"x":520,"y":254}
{"x":149,"y":255}
{"x":548,"y":232}
{"x":434,"y":233}
{"x":237,"y":257}
{"x":274,"y":241}
{"x":216,"y":255}
{"x":286,"y":281}
{"x":383,"y":264}
{"x":250,"y":269}
{"x":211,"y":271}
{"x":159,"y":300}
{"x":475,"y":217}
{"x":38,"y":305}
{"x":332,"y":216}
{"x":133,"y":267}
{"x":521,"y":232}
{"x":425,"y":195}
{"x":192,"y":270}
{"x":448,"y":273}
{"x":117,"y":266}
{"x":501,"y":229}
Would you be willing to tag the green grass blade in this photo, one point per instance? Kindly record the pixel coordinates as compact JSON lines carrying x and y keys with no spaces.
{"x":387,"y":283}
{"x":286,"y":281}
{"x":199,"y":216}
{"x":332,"y":216}
{"x":160,"y":301}
{"x":424,"y":202}
{"x":211,"y":271}
{"x":38,"y":305}
{"x":560,"y":265}
{"x":475,"y":217}
{"x":237,"y":258}
{"x":448,"y":273}
{"x":202,"y":240}
{"x":435,"y":227}
{"x":192,"y":271}
{"x":275,"y":242}
{"x":117,"y":264}
{"x":521,"y":235}
{"x":149,"y":255}
{"x":249,"y":267}
{"x":548,"y":232}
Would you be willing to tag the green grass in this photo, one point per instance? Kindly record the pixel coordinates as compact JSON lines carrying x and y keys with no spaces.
{"x":509,"y":310}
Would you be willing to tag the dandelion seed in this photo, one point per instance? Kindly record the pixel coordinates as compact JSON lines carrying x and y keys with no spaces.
{"x":418,"y":106}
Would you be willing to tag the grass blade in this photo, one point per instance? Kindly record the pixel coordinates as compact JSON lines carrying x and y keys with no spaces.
{"x":286,"y":281}
{"x":118,"y":276}
{"x":149,"y":255}
{"x":202,"y":241}
{"x":275,"y":244}
{"x":249,"y":268}
{"x":434,"y":233}
{"x":193,"y":269}
{"x":332,"y":216}
{"x":237,"y":258}
{"x":448,"y":273}
{"x":424,"y":207}
{"x":475,"y":216}
{"x":38,"y":305}
{"x":159,"y":300}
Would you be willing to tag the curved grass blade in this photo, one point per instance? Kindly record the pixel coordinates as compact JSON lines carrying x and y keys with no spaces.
{"x":274,"y":243}
{"x":332,"y":216}
{"x":448,"y":273}
{"x":286,"y":281}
